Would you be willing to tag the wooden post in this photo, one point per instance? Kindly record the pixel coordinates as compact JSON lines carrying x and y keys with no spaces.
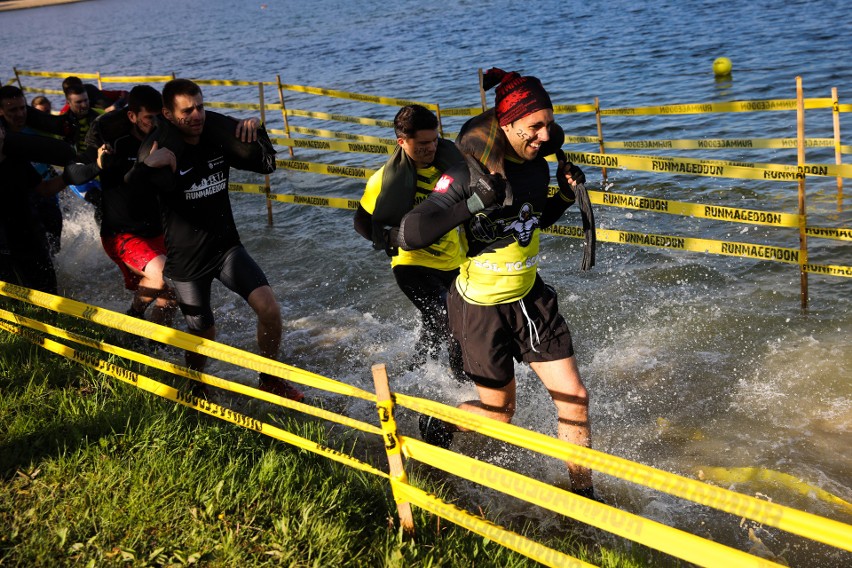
{"x":838,"y":156}
{"x":18,"y":77}
{"x":803,"y":237}
{"x":284,"y":112}
{"x":600,"y":134}
{"x":100,"y":83}
{"x":266,"y":189}
{"x":482,"y":92}
{"x":440,"y":125}
{"x":384,"y":405}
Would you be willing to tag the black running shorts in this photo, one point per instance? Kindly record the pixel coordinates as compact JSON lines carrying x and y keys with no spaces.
{"x":239,"y":273}
{"x":494,"y":337}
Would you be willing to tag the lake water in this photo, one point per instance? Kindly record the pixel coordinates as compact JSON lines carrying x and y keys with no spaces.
{"x":693,"y":360}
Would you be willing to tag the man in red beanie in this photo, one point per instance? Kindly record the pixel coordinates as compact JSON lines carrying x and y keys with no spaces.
{"x":500,"y":309}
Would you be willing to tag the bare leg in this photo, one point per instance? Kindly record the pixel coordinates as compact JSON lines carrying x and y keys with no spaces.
{"x":562,"y":380}
{"x":196,"y":361}
{"x":153,"y":288}
{"x":498,"y":404}
{"x":262,"y":301}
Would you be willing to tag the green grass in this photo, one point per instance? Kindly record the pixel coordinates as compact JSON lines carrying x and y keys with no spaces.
{"x":97,"y":473}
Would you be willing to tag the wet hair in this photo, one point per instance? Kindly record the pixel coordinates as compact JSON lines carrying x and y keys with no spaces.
{"x":40,"y":100}
{"x":177,"y":87}
{"x":412,"y":118}
{"x":144,"y":96}
{"x":8,"y":92}
{"x":75,"y":89}
{"x":71,"y":81}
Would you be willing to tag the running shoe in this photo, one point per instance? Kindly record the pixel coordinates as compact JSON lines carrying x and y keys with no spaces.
{"x":279,"y":387}
{"x":435,"y":431}
{"x":199,"y":390}
{"x":588,"y":493}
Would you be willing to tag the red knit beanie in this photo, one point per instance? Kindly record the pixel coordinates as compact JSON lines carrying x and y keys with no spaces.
{"x":517,"y":96}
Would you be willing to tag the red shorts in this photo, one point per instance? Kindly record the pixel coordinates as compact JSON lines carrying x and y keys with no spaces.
{"x":126,"y":249}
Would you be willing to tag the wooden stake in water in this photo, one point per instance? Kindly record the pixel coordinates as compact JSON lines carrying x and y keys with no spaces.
{"x":803,"y":237}
{"x":284,"y":112}
{"x":600,"y":133}
{"x":267,"y":189}
{"x":482,"y":92}
{"x":384,"y":405}
{"x":838,"y":156}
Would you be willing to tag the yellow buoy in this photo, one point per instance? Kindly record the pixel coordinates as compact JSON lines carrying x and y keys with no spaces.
{"x":722,"y":66}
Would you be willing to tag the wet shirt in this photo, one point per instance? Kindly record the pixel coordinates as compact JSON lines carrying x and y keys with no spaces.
{"x":124,"y":209}
{"x":197,"y":218}
{"x":502,"y":242}
{"x":447,"y":253}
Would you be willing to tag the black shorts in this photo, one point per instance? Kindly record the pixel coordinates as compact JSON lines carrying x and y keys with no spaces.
{"x":238,"y":272}
{"x":494,"y":337}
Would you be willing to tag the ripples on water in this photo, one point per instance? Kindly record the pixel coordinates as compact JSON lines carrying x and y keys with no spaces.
{"x":692,"y":360}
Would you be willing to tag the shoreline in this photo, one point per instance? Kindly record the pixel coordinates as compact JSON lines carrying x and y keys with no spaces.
{"x":6,"y":5}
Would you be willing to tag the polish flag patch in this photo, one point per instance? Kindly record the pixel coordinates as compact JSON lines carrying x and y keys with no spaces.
{"x":443,"y":184}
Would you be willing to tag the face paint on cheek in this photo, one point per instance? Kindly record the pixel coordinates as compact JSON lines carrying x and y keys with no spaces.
{"x":522,"y":135}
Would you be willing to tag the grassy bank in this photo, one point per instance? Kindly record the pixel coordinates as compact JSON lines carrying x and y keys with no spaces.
{"x":98,"y":473}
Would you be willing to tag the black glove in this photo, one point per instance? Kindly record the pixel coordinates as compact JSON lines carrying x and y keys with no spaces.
{"x":565,"y":167}
{"x":391,"y":237}
{"x":386,"y":239}
{"x":488,"y":189}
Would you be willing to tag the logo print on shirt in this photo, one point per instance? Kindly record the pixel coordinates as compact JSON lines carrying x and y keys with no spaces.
{"x":443,"y":184}
{"x":184,"y":172}
{"x":215,"y":162}
{"x":210,"y":185}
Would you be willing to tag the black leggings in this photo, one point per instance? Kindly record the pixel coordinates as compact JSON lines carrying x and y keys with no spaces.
{"x":239,"y":273}
{"x":427,"y":290}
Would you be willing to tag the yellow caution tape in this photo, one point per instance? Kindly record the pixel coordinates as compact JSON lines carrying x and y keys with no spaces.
{"x":388,"y":424}
{"x":186,"y":399}
{"x":570,"y":109}
{"x":358,"y":96}
{"x":797,"y":522}
{"x":358,"y":147}
{"x":735,"y":106}
{"x":672,"y":541}
{"x":732,"y":214}
{"x":582,"y":140}
{"x":840,"y":234}
{"x":138,"y":79}
{"x":711,"y":168}
{"x":760,"y":475}
{"x":461,"y":111}
{"x":486,"y":529}
{"x":340,"y":118}
{"x":246,"y":187}
{"x":43,"y":91}
{"x":843,"y":108}
{"x":718,"y":144}
{"x":226,"y":83}
{"x":828,"y":269}
{"x":189,"y":373}
{"x":329,"y":169}
{"x":56,"y":74}
{"x":334,"y":134}
{"x":243,"y":106}
{"x":706,"y":246}
{"x":728,"y":248}
{"x":334,"y":202}
{"x":180,"y":339}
